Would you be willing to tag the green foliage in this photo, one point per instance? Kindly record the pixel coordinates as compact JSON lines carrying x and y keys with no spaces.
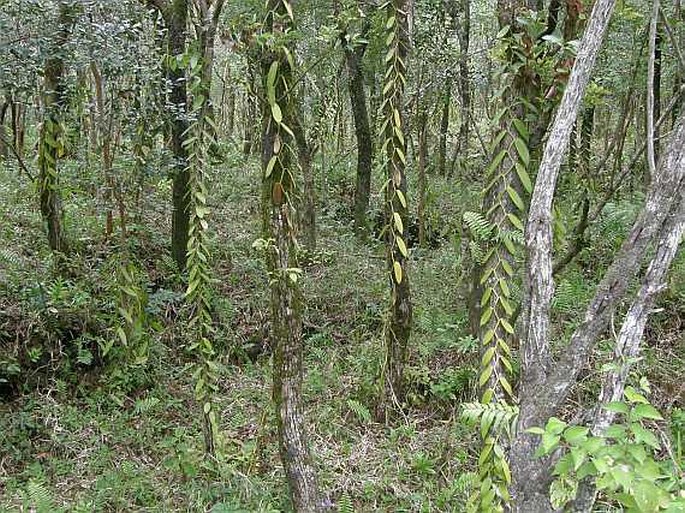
{"x":495,"y":421}
{"x":622,"y":462}
{"x":198,"y":139}
{"x":345,"y":504}
{"x":39,"y":499}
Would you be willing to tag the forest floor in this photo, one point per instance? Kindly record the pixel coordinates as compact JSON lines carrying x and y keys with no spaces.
{"x":83,"y":437}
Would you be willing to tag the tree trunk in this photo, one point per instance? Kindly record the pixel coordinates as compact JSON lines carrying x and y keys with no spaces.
{"x":540,"y":394}
{"x":250,"y":110}
{"x":279,"y":225}
{"x":6,"y":105}
{"x":421,"y":171}
{"x":400,"y":321}
{"x":658,"y":44}
{"x":18,"y":127}
{"x":362,"y":131}
{"x":464,"y":36}
{"x":51,"y":139}
{"x":105,"y":138}
{"x":175,"y":18}
{"x":444,"y":126}
{"x":304,"y":155}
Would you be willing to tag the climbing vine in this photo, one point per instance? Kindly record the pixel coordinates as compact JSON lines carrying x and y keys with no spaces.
{"x":199,"y":137}
{"x":394,"y":151}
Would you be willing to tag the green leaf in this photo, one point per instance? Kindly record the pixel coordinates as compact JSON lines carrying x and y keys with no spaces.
{"x":122,"y":335}
{"x":271,"y":76}
{"x":487,"y":356}
{"x":488,"y":336}
{"x":506,"y":386}
{"x":645,"y":411}
{"x":401,"y":198}
{"x":276,"y":113}
{"x":617,"y":407}
{"x":522,"y":150}
{"x":516,"y":198}
{"x":574,"y":435}
{"x":634,"y":397}
{"x":270,"y":166}
{"x":397,"y":269}
{"x":485,"y":376}
{"x":555,"y":426}
{"x":521,"y":128}
{"x":649,"y":497}
{"x":524,"y":177}
{"x":643,"y":435}
{"x":401,"y":246}
{"x":496,"y":162}
{"x":399,"y":226}
{"x":515,"y":221}
{"x":485,"y":316}
{"x":507,"y":327}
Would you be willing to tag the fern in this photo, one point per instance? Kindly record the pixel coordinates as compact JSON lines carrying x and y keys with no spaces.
{"x":480,"y":228}
{"x":39,"y":499}
{"x":345,"y":504}
{"x":9,"y":257}
{"x":361,"y":411}
{"x":495,"y":417}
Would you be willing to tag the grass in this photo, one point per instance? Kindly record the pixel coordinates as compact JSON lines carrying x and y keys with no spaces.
{"x":84,"y":435}
{"x":78,"y":440}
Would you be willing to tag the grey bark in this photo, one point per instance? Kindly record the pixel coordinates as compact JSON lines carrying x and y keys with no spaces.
{"x":627,"y":346}
{"x":529,"y":474}
{"x":543,"y":398}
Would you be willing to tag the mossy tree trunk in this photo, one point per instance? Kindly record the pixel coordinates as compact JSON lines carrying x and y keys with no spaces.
{"x":279,"y":191}
{"x":51,"y":143}
{"x":175,"y":16}
{"x":362,"y":129}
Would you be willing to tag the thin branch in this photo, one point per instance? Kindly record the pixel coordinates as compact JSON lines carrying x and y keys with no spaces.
{"x":18,"y":156}
{"x":674,"y":42}
{"x":651,"y":154}
{"x":597,"y":211}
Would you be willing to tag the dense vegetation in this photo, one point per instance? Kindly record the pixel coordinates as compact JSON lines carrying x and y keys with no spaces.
{"x":347,"y":255}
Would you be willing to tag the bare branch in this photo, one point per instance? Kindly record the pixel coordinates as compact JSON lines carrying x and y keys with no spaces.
{"x":22,"y":165}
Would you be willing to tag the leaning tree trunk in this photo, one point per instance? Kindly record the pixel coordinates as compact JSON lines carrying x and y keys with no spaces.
{"x":279,"y":224}
{"x":541,"y":394}
{"x":398,"y":327}
{"x":51,"y":140}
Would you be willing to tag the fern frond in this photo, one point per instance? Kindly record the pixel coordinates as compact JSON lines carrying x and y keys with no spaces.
{"x":361,"y":411}
{"x":495,"y":417}
{"x":479,"y":227}
{"x":345,"y":504}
